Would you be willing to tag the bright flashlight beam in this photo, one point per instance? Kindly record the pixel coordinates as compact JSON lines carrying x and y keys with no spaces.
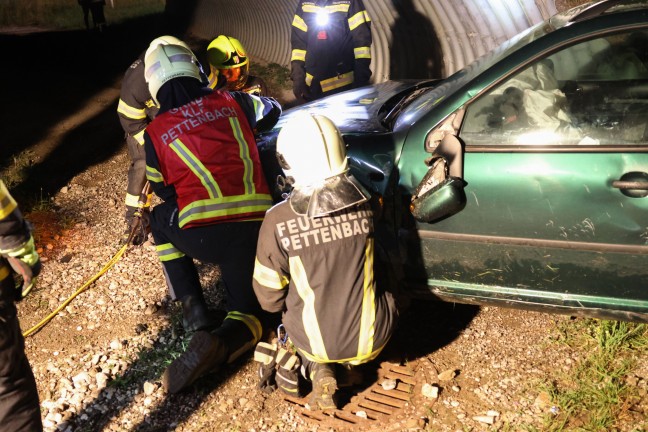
{"x":322,"y":18}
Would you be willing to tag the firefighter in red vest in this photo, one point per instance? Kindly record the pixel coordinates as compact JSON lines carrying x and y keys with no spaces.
{"x":202,"y":161}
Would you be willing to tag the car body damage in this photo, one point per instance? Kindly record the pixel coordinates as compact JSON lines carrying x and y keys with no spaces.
{"x":540,"y":200}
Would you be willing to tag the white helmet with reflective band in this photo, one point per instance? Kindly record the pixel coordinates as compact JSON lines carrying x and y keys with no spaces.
{"x":165,"y":40}
{"x":166,"y":62}
{"x":311,"y":149}
{"x":312,"y":154}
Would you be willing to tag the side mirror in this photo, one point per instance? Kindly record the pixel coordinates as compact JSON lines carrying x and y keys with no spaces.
{"x":441,"y":192}
{"x":441,"y":201}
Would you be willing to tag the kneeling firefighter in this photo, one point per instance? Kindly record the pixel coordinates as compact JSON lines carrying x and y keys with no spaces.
{"x":315,"y":264}
{"x":202,"y":161}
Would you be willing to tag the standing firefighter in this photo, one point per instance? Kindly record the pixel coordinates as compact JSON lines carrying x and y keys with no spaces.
{"x":19,"y":406}
{"x":230,"y":66}
{"x":202,"y":161}
{"x":136,"y":109}
{"x":331,"y":47}
{"x":315,"y":263}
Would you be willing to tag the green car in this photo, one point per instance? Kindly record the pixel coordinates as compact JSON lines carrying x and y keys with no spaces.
{"x":520,"y":180}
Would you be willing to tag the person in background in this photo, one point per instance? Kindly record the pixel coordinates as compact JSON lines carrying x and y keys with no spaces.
{"x":202,"y":162}
{"x":96,"y":8}
{"x":316,"y":264}
{"x":19,"y":405}
{"x":230,"y":66}
{"x":331,"y":48}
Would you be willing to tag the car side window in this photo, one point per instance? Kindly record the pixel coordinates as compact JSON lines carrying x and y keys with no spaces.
{"x":592,"y":93}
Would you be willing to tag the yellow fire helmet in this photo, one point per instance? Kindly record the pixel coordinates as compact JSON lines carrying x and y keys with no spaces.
{"x":227,"y":57}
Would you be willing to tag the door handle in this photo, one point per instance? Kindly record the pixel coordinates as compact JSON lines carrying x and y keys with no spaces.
{"x":639,"y":185}
{"x":633,"y":184}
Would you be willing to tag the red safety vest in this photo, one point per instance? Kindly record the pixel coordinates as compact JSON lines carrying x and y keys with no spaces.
{"x":207,"y":151}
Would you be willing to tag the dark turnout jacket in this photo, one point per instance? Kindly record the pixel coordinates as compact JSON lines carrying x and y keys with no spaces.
{"x":320,"y":273}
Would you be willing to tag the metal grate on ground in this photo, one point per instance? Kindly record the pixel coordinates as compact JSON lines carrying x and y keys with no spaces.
{"x":370,"y":407}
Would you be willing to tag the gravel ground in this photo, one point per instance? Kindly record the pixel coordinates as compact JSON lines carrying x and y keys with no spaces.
{"x":98,"y":362}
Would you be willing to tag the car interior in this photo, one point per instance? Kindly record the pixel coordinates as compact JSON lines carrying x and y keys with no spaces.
{"x":591,"y":93}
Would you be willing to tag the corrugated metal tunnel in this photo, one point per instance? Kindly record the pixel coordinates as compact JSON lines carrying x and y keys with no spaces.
{"x":411,"y":38}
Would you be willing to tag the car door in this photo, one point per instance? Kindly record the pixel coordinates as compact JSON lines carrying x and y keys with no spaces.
{"x":556,"y":173}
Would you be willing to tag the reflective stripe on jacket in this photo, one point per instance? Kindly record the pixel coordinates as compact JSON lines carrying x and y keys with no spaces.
{"x":332,"y":51}
{"x":207,"y":151}
{"x":136,"y":107}
{"x":13,"y":231}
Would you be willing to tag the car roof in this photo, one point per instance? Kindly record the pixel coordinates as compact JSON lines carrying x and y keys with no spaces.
{"x":592,"y":10}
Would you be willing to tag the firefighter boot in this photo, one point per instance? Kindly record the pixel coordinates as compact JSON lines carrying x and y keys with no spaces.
{"x":207,"y":352}
{"x":195,"y":315}
{"x":237,"y":336}
{"x":324,"y":386}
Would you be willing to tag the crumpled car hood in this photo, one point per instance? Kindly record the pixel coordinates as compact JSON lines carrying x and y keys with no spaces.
{"x":356,"y":111}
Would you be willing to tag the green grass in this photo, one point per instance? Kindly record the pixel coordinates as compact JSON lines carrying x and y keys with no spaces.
{"x":276,"y":77}
{"x":67,"y":14}
{"x":594,"y":396}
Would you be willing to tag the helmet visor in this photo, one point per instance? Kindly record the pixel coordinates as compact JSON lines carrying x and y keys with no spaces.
{"x":236,"y":76}
{"x":336,"y":194}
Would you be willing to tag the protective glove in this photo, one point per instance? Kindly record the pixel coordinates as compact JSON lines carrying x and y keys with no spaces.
{"x":361,"y":73}
{"x":301,"y":91}
{"x":298,"y":77}
{"x":287,"y":377}
{"x":265,"y":354}
{"x":138,"y":225}
{"x":25,"y":261}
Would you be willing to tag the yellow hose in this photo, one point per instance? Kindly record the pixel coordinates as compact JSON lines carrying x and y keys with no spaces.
{"x":49,"y":317}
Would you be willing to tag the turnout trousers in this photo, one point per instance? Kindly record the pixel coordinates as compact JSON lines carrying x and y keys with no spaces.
{"x":230,"y":245}
{"x":19,"y":405}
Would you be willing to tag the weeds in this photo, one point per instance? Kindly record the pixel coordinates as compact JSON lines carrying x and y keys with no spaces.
{"x":67,"y":15}
{"x":595,"y":393}
{"x":13,"y":172}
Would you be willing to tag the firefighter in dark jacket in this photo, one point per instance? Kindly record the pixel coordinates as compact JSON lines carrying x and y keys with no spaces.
{"x":229,"y":66}
{"x":19,"y":405}
{"x":136,"y":109}
{"x":202,"y":161}
{"x":315,"y":263}
{"x":331,"y":47}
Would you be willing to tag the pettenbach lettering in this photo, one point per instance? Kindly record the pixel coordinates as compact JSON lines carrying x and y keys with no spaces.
{"x":195,"y":115}
{"x":303,"y":232}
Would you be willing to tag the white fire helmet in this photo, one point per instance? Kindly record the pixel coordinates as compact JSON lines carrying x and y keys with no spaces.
{"x":164,"y":40}
{"x":166,"y":62}
{"x":312,"y":154}
{"x":311,"y":150}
